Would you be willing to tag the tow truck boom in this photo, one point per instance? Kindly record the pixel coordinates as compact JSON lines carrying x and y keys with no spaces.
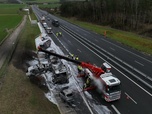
{"x":99,"y":77}
{"x":97,"y":71}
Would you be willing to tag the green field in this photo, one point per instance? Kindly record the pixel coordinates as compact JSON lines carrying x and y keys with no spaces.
{"x":40,"y":1}
{"x":8,"y":22}
{"x":10,"y":8}
{"x":10,"y":17}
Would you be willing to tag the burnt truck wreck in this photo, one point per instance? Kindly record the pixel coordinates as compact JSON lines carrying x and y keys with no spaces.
{"x":47,"y":63}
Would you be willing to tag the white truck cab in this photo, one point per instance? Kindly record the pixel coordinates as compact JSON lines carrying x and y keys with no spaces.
{"x":45,"y":25}
{"x":111,"y":87}
{"x":49,"y":30}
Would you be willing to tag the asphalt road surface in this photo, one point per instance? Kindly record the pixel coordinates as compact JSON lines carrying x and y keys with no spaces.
{"x":130,"y":66}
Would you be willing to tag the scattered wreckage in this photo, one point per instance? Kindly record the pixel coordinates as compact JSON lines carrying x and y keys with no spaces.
{"x":66,"y":95}
{"x":49,"y":70}
{"x":49,"y":63}
{"x":99,"y":78}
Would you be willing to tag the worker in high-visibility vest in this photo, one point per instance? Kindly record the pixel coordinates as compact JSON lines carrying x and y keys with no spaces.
{"x":79,"y":68}
{"x":60,"y":34}
{"x":87,"y":83}
{"x":57,"y":34}
{"x":76,"y":57}
{"x":72,"y":56}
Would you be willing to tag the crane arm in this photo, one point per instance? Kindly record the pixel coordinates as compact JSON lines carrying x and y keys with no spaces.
{"x":97,"y":71}
{"x":59,"y":56}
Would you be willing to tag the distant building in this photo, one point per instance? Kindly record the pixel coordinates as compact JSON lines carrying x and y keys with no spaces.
{"x":26,"y":9}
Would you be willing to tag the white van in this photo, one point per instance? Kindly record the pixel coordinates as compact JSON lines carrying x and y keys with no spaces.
{"x":45,"y":25}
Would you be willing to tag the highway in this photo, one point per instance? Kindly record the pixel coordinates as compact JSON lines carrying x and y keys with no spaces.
{"x":130,"y":66}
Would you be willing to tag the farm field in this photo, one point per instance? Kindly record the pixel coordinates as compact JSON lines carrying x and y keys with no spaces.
{"x":10,"y":8}
{"x":39,"y":1}
{"x":8,"y":24}
{"x":10,"y":17}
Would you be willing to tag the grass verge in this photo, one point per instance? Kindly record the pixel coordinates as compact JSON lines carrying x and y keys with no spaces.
{"x":17,"y":94}
{"x":40,"y":1}
{"x":32,"y":15}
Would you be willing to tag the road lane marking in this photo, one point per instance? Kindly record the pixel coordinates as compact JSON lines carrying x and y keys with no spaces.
{"x":116,"y":110}
{"x":112,"y":48}
{"x":139,"y":63}
{"x":127,"y":50}
{"x":61,"y":43}
{"x":130,"y":98}
{"x":79,"y":50}
{"x":111,"y":65}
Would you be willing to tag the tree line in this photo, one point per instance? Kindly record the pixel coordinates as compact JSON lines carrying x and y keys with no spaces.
{"x":121,"y":14}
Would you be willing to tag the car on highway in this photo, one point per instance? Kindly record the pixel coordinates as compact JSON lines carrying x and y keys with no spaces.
{"x":49,"y":30}
{"x":55,"y":23}
{"x":48,"y":19}
{"x":45,"y":25}
{"x":66,"y":94}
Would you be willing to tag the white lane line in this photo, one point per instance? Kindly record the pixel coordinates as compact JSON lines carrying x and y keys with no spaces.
{"x":76,"y":83}
{"x":112,"y":66}
{"x":112,"y":48}
{"x":130,"y":98}
{"x":115,"y":109}
{"x":79,"y":50}
{"x":139,"y":63}
{"x":127,"y":51}
{"x":61,"y":43}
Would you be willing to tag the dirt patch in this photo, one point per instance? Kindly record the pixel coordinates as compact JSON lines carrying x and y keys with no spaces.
{"x":20,"y":60}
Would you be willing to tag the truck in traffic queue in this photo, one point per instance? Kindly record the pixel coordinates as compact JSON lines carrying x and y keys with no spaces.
{"x":42,"y":19}
{"x":49,"y":30}
{"x":45,"y":25}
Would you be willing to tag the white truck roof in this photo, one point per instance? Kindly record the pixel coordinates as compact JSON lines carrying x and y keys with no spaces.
{"x":49,"y":28}
{"x":110,"y":80}
{"x":43,"y":18}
